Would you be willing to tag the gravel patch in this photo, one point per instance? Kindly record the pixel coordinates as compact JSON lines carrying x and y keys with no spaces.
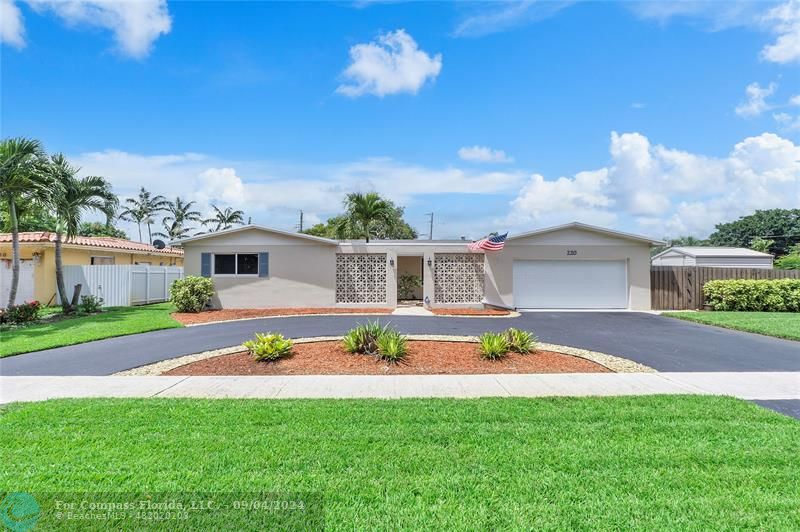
{"x":614,"y":363}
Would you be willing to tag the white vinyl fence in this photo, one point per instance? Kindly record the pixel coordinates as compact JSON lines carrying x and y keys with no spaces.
{"x":123,"y":285}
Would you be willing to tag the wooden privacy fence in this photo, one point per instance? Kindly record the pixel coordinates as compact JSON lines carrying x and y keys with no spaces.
{"x":123,"y":285}
{"x":681,"y":287}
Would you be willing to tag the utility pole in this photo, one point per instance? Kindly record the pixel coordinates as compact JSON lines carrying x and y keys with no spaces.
{"x":430,"y":232}
{"x":301,"y":221}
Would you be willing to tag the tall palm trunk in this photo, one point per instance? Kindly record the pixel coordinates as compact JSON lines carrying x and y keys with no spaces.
{"x":65,"y":304}
{"x":12,"y":214}
{"x":149,"y":234}
{"x":139,"y":225}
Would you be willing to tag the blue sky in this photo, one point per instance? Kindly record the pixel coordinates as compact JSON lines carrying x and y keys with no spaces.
{"x":660,"y":118}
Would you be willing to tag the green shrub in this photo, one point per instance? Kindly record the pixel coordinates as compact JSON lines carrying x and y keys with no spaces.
{"x":521,"y":342}
{"x":774,"y":295}
{"x":22,"y":313}
{"x":788,"y":262}
{"x":90,"y":304}
{"x":392,"y":346}
{"x":363,"y":339}
{"x":492,"y":346}
{"x":270,"y":346}
{"x":406,"y":285}
{"x":191,"y":293}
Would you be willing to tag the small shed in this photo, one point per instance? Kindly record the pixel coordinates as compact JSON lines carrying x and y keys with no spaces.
{"x":713,"y":257}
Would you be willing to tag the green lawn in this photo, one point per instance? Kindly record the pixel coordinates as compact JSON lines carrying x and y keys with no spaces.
{"x":116,"y":321}
{"x":780,"y":324}
{"x":648,"y":463}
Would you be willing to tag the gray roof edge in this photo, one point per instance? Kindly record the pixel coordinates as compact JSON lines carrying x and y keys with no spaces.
{"x":593,"y":228}
{"x":260,"y":228}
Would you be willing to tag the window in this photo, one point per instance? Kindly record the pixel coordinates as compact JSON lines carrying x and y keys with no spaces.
{"x":102,"y":260}
{"x":236,"y":264}
{"x":247,"y":264}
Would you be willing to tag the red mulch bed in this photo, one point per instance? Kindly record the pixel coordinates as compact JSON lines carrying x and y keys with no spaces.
{"x":424,"y":358}
{"x":470,"y":311}
{"x":207,"y":316}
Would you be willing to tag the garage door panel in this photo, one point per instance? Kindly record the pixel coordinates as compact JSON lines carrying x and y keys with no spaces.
{"x":570,"y":284}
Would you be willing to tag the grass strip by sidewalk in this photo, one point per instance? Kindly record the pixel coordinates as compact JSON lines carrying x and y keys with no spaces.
{"x":115,"y":321}
{"x":647,"y":463}
{"x":778,"y":324}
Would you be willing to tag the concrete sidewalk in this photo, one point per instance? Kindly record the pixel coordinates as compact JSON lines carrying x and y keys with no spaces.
{"x":754,"y":385}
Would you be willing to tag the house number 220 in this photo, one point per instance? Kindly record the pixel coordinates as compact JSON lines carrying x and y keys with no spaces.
{"x":572,"y":252}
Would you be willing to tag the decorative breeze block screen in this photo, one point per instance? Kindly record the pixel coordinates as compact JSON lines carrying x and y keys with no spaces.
{"x":458,"y":277}
{"x":361,"y":278}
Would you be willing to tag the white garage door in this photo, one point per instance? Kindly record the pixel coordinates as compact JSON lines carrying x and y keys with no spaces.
{"x":570,"y":284}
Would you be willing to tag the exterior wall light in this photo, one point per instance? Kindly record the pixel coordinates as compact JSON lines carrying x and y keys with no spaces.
{"x":391,"y":263}
{"x":430,"y":263}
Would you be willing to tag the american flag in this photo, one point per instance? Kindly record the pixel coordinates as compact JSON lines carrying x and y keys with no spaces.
{"x":492,"y":243}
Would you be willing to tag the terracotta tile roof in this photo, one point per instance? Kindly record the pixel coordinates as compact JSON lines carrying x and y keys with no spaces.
{"x":93,"y":241}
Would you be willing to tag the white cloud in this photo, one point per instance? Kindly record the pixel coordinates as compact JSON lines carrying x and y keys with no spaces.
{"x":12,"y":29}
{"x":502,"y":16}
{"x":756,"y":99}
{"x":783,"y":20}
{"x":638,"y":105}
{"x":787,"y":121}
{"x":795,"y":100}
{"x":136,"y":24}
{"x":716,"y":15}
{"x":269,"y":192}
{"x":583,"y":197}
{"x":391,"y":64}
{"x":666,"y":190}
{"x":483,"y":154}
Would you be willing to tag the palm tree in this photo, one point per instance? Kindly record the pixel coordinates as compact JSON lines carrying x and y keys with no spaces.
{"x":19,"y":180}
{"x":363,"y":213}
{"x":142,"y":209}
{"x":175,"y":224}
{"x":224,"y":219}
{"x":70,"y":199}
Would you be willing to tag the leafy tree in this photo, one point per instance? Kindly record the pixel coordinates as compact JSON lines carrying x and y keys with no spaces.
{"x":31,"y":216}
{"x":761,"y":244}
{"x":142,"y":209}
{"x":338,"y":226}
{"x":70,"y":197}
{"x":20,"y":181}
{"x":175,"y":223}
{"x":780,"y":225}
{"x":224,"y":219}
{"x":100,"y":229}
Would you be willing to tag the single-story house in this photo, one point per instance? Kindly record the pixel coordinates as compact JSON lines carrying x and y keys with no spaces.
{"x":568,"y":266}
{"x":38,"y":265}
{"x":713,"y":257}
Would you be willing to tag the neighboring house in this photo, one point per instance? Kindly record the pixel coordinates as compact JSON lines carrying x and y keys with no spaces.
{"x":569,"y":266}
{"x":38,"y":265}
{"x":715,"y":257}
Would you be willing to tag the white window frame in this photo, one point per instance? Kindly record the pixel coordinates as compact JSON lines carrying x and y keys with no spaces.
{"x":235,"y":265}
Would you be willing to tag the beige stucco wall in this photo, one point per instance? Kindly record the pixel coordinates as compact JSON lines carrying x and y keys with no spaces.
{"x":396,"y":250}
{"x":44,"y":274}
{"x":301,"y":272}
{"x":554,"y":246}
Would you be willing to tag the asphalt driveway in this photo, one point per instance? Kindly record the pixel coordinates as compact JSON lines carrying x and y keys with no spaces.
{"x":666,"y":344}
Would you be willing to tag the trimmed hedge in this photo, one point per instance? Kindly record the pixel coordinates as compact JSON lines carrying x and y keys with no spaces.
{"x":774,"y":295}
